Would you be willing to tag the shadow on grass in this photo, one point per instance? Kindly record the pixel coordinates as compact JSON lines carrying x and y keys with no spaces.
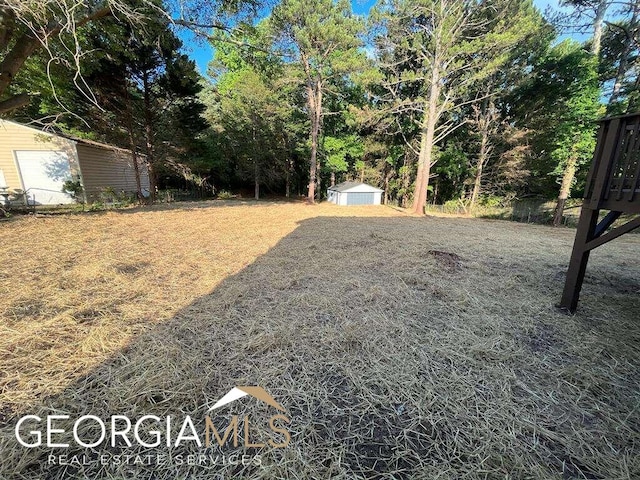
{"x":389,"y":364}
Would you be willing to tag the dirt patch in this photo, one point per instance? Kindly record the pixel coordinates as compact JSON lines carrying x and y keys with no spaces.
{"x":449,"y":261}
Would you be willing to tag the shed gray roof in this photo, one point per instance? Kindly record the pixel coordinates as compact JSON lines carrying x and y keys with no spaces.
{"x":344,"y":186}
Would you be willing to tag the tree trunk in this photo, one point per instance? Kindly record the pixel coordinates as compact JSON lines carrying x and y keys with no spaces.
{"x":148,"y":133}
{"x":314,"y":101}
{"x":136,"y":167}
{"x":318,"y":181}
{"x":319,"y":128}
{"x":634,"y":101}
{"x":256,"y":176}
{"x":12,"y":103}
{"x":132,"y":142}
{"x":386,"y":187}
{"x":601,"y":10}
{"x":565,"y":189}
{"x":287,"y":187}
{"x":314,"y":94}
{"x":426,"y":144}
{"x":480,"y":163}
{"x":24,"y":47}
{"x":256,"y":166}
{"x":405,"y":182}
{"x":7,"y":26}
{"x":333,"y":178}
{"x":623,"y":66}
{"x":311,"y":195}
{"x":288,"y":165}
{"x":617,"y":84}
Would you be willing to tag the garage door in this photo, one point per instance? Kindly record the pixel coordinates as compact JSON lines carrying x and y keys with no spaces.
{"x":360,"y":198}
{"x":43,"y":174}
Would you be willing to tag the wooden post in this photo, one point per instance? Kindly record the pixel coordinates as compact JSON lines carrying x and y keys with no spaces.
{"x":579,"y":259}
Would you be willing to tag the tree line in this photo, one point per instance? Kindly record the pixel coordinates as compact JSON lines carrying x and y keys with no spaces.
{"x":431,"y":100}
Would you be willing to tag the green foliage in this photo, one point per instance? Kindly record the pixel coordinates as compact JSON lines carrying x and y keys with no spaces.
{"x":252,"y":111}
{"x":560,"y":102}
{"x":324,"y":33}
{"x":74,"y":188}
{"x":96,"y":206}
{"x":575,"y":135}
{"x":109,"y":197}
{"x":492,"y":201}
{"x":451,"y":169}
{"x":224,"y":195}
{"x":343,"y":152}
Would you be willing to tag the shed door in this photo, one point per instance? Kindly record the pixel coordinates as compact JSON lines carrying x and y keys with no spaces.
{"x":360,"y":198}
{"x":43,"y":174}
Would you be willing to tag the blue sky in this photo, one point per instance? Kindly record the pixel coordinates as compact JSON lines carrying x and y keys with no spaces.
{"x":201,"y":51}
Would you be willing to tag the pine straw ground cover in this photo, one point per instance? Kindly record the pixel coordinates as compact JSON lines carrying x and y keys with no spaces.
{"x":401,"y":347}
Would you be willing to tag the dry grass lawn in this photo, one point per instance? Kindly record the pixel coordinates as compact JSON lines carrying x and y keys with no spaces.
{"x":401,"y":347}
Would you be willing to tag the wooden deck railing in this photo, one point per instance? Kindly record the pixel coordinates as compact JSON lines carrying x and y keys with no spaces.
{"x":613,"y":184}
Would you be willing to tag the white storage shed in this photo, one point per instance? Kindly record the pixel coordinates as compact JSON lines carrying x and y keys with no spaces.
{"x":354,"y":193}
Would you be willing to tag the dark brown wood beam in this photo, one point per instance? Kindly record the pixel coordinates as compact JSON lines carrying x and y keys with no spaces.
{"x":579,"y":259}
{"x":615,"y":233}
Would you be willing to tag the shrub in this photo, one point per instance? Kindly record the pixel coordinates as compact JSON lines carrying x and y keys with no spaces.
{"x":493,"y":201}
{"x":224,"y":195}
{"x":73,"y":188}
{"x":96,"y":207}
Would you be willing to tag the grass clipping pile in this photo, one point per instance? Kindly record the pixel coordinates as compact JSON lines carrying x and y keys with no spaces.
{"x":401,"y":347}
